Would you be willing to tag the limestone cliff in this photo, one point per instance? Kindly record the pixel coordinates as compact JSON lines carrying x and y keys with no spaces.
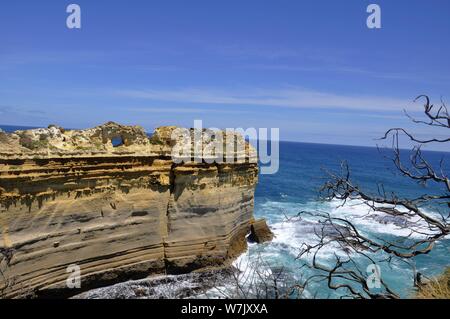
{"x":111,"y":200}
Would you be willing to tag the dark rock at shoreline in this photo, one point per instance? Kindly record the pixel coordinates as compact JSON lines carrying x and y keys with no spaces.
{"x":260,"y":232}
{"x":164,"y":287}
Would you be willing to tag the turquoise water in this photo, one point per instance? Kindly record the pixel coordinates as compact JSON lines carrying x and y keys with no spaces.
{"x":295,"y":188}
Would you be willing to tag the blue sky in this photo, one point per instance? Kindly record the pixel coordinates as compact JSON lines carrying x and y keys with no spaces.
{"x":311,"y":68}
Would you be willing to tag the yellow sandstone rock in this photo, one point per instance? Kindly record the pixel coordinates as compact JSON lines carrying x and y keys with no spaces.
{"x":110,"y":200}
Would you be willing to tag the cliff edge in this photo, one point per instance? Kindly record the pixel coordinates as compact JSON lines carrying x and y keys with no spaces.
{"x":113,"y":202}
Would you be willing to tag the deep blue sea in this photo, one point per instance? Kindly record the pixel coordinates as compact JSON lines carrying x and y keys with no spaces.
{"x":295,"y":188}
{"x":303,"y":170}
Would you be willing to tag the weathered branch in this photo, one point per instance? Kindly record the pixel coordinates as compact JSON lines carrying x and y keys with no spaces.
{"x":429,"y":227}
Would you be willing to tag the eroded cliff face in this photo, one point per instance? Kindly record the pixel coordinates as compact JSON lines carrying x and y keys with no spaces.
{"x":112,"y":201}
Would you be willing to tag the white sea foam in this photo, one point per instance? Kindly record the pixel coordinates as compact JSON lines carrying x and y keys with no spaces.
{"x":378,"y":223}
{"x":355,"y":211}
{"x":292,"y":234}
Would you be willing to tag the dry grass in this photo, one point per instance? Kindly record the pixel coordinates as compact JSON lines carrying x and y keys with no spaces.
{"x":437,"y":288}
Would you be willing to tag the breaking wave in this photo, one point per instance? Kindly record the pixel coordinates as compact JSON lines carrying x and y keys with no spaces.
{"x":291,"y":234}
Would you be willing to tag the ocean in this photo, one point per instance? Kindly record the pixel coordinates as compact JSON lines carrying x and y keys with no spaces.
{"x":295,"y":188}
{"x":303,"y":170}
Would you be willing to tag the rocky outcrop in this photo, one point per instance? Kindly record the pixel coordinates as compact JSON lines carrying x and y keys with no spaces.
{"x":260,"y":232}
{"x":192,"y":285}
{"x":112,"y":201}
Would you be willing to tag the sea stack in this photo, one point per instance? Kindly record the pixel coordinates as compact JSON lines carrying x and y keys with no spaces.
{"x":112,"y":201}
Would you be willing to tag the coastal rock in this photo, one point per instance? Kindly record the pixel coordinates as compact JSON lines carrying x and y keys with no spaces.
{"x":260,"y":232}
{"x":111,"y":201}
{"x":184,"y":286}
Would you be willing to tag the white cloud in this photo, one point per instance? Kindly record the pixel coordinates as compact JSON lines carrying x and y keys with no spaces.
{"x":183,"y":110}
{"x":291,"y":97}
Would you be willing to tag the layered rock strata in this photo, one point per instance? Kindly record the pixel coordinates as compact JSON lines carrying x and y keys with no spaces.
{"x":112,"y":201}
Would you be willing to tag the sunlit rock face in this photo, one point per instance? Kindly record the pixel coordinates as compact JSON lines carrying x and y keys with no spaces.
{"x":112,"y":201}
